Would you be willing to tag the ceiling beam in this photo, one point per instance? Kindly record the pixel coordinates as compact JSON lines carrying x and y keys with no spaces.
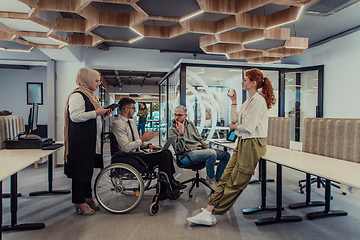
{"x":117,"y":77}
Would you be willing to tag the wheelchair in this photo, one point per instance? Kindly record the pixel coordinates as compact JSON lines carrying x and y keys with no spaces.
{"x":120,"y":187}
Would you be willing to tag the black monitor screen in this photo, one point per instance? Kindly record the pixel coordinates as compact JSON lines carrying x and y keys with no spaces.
{"x":33,"y":118}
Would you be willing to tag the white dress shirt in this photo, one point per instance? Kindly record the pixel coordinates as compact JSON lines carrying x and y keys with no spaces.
{"x":78,"y":114}
{"x":252,"y":117}
{"x":122,"y":132}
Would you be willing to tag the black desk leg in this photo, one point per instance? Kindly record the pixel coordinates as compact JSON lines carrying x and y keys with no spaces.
{"x":263,"y":207}
{"x":326,"y":212}
{"x":278,"y":218}
{"x":307,"y":202}
{"x":7,"y":195}
{"x":13,"y":207}
{"x":1,"y":211}
{"x":50,"y":191}
{"x":260,"y":176}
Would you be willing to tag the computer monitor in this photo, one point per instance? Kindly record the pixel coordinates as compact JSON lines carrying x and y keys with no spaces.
{"x":33,"y":118}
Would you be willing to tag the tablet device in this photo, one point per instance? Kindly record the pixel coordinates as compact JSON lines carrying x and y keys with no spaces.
{"x":230,"y":138}
{"x":112,"y":106}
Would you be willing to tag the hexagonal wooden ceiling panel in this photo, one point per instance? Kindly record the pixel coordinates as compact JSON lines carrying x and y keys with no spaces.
{"x":239,"y":29}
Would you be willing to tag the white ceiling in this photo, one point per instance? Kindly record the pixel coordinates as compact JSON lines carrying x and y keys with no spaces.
{"x":14,"y":6}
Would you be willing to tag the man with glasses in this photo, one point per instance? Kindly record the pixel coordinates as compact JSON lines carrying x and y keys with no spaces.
{"x":127,"y":137}
{"x":188,"y":139}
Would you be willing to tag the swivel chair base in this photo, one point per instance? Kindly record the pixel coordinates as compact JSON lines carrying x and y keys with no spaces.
{"x":196,"y":181}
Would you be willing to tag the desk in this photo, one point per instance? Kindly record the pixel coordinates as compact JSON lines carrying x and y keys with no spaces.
{"x":12,"y":161}
{"x":336,"y":170}
{"x":217,"y":130}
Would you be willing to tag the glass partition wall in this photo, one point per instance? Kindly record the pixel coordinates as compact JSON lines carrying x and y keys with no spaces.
{"x":206,"y":98}
{"x":203,"y":88}
{"x":303,"y":99}
{"x":169,"y":99}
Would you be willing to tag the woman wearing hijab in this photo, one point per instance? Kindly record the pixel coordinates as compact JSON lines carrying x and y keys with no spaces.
{"x":82,"y":137}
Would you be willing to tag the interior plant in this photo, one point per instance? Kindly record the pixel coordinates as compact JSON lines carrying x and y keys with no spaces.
{"x":5,"y":113}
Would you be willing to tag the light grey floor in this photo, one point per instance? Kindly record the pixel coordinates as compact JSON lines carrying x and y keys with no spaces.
{"x":62,"y":222}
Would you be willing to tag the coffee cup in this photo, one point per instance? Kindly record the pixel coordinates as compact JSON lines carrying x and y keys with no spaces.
{"x":231,"y":92}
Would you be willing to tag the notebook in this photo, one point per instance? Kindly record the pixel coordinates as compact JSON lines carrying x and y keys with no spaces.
{"x":230,"y":138}
{"x":166,"y":146}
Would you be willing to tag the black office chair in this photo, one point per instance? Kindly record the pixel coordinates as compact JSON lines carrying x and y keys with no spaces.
{"x":195,"y":166}
{"x":320,"y":182}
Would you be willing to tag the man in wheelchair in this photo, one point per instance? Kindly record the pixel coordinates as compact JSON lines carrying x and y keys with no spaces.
{"x":124,"y":129}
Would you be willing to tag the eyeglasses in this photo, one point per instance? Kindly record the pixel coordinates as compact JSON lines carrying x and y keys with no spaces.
{"x":178,"y":115}
{"x":133,"y":108}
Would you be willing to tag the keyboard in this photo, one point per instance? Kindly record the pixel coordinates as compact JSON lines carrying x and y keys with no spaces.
{"x":52,"y":146}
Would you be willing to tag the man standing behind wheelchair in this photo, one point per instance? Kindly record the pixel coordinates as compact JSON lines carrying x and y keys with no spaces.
{"x":127,"y":137}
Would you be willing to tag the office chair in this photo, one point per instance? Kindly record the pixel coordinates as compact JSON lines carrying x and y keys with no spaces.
{"x":195,"y":166}
{"x":320,"y":183}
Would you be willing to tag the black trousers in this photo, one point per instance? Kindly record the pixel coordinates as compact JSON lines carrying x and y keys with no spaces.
{"x":163,"y":159}
{"x":80,"y":191}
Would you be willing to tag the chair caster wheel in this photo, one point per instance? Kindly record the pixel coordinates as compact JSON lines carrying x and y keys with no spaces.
{"x":154,"y":208}
{"x":190,"y":196}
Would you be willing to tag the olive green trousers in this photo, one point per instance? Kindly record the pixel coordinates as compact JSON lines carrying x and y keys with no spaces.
{"x":237,"y":173}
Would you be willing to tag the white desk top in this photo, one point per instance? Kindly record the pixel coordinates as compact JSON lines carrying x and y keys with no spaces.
{"x":330,"y":168}
{"x":14,"y":160}
{"x":231,"y":145}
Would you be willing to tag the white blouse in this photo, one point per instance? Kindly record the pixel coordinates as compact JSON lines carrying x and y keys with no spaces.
{"x":252,"y":117}
{"x":78,"y":114}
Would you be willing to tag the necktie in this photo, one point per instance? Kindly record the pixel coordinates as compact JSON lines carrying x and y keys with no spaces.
{"x":132,"y":132}
{"x":133,"y":137}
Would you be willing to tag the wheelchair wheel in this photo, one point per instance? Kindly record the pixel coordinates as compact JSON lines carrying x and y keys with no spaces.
{"x":147,"y":177}
{"x":154,"y":208}
{"x":119,"y":188}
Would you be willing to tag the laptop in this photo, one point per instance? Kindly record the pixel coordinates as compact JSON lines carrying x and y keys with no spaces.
{"x":166,"y":146}
{"x":230,"y":138}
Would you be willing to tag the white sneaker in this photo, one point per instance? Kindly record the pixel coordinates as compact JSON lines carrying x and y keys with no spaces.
{"x":203,"y":218}
{"x":212,"y":182}
{"x":213,"y":218}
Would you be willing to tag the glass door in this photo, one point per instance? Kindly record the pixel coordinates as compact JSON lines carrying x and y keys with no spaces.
{"x":303,"y":98}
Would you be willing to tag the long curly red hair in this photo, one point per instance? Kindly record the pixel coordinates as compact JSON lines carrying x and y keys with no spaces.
{"x":264,"y":83}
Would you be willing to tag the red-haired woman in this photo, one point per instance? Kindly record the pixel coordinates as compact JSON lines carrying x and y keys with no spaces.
{"x":250,"y":124}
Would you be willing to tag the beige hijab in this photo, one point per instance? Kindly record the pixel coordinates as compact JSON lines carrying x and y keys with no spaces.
{"x":85,"y":79}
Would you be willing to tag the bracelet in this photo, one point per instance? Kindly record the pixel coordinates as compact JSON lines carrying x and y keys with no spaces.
{"x":233,"y":104}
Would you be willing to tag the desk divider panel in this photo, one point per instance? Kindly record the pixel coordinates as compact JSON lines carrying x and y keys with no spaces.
{"x":333,"y":137}
{"x":278,"y":132}
{"x":322,"y":135}
{"x":10,"y":127}
{"x":330,"y":138}
{"x":339,"y":138}
{"x":2,"y":132}
{"x":357,"y":142}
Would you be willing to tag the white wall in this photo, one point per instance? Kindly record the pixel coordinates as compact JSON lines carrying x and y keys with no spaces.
{"x":341,"y":60}
{"x":13,"y":91}
{"x":65,"y":84}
